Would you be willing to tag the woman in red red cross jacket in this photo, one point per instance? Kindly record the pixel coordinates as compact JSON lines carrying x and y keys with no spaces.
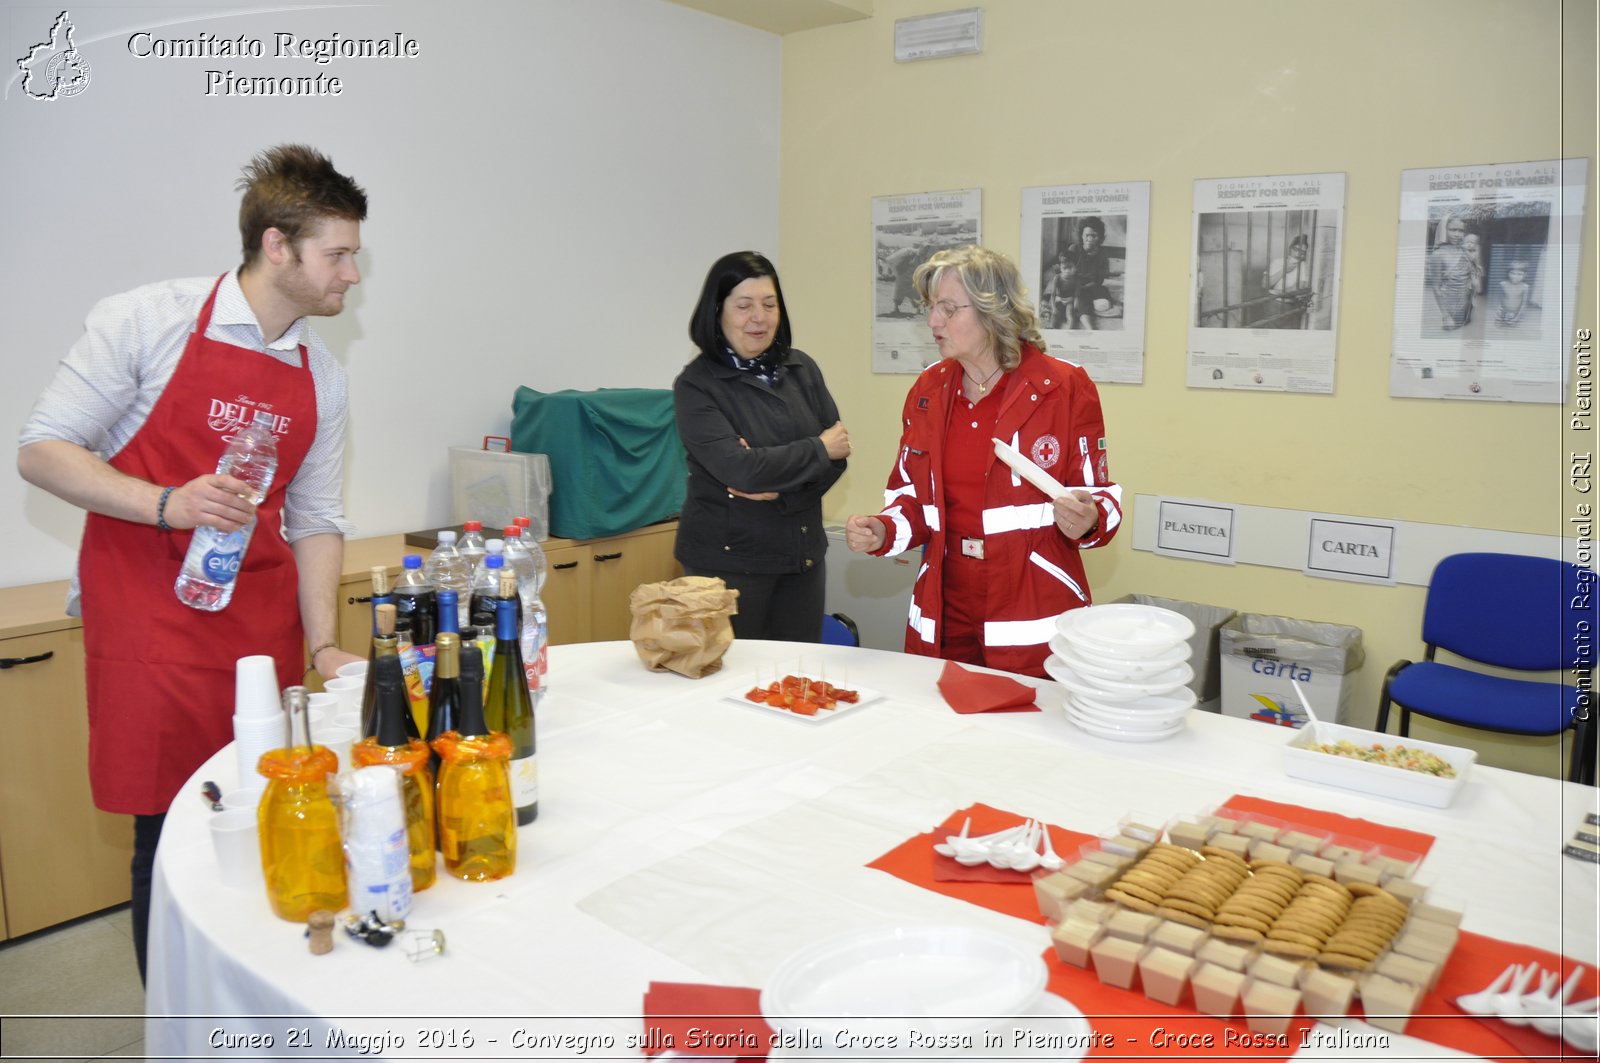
{"x":1000,"y":558}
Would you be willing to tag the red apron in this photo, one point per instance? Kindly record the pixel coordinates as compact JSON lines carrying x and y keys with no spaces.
{"x":160,"y":674}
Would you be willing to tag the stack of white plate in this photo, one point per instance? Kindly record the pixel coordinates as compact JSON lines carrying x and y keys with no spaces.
{"x":1124,"y":669}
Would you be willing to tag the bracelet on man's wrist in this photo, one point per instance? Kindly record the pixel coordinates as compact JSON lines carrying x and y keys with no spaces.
{"x":161,"y":509}
{"x":319,"y":649}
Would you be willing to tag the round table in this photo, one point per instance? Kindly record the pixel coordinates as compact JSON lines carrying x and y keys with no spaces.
{"x":685,"y":835}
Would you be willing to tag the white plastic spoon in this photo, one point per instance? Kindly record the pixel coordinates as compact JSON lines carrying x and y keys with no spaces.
{"x":1542,"y":1008}
{"x":1050,"y":861}
{"x":953,"y":842}
{"x":1483,"y":1001}
{"x":1022,"y":854}
{"x":1509,"y":1004}
{"x":1581,"y":1032}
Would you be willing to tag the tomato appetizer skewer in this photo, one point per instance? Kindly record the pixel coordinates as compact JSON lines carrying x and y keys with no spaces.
{"x":801,"y":695}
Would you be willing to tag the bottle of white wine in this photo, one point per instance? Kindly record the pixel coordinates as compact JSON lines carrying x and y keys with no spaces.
{"x":509,"y":708}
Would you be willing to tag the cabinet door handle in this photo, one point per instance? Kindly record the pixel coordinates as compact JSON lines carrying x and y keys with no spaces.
{"x":607,"y":557}
{"x":358,"y":601}
{"x":569,"y":564}
{"x":12,"y":662}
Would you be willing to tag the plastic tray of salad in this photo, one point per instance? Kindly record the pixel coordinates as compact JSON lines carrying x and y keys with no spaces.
{"x":1384,"y":765}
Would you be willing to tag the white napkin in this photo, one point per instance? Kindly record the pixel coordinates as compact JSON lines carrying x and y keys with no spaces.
{"x":1025,"y":468}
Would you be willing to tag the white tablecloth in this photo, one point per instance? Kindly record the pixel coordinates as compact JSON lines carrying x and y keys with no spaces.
{"x":683,"y":836}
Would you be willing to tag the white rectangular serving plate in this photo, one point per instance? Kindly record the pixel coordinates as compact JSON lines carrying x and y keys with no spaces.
{"x":1300,"y":761}
{"x":867,"y":696}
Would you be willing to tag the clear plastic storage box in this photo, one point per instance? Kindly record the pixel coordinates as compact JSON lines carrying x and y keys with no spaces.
{"x":497,"y":487}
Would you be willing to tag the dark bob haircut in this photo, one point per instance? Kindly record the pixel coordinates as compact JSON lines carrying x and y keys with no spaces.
{"x":726,"y":274}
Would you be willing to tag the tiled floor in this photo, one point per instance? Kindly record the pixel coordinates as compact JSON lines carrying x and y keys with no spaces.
{"x":83,"y":968}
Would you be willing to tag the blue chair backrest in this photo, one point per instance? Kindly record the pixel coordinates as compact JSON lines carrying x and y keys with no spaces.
{"x":836,"y":632}
{"x":1528,"y":613}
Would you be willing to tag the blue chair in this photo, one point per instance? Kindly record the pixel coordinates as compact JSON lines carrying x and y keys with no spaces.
{"x":1527,"y":614}
{"x":839,"y":630}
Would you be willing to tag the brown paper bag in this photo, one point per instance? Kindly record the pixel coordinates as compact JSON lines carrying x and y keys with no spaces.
{"x":682,"y":625}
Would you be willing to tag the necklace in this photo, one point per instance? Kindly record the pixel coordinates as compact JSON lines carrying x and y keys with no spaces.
{"x":981,"y":385}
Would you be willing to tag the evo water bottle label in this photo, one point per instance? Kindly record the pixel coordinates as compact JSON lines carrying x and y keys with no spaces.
{"x":524,"y":781}
{"x":222,"y":565}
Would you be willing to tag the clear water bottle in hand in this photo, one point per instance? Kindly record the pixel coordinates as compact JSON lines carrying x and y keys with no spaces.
{"x":211,"y":567}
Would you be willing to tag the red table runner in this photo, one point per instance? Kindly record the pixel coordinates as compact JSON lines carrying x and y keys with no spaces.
{"x":1129,"y":1016}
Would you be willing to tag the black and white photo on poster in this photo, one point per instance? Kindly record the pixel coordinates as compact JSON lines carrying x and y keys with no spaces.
{"x":1267,"y":269}
{"x":1485,"y":280}
{"x":906,"y":232}
{"x":1088,"y":247}
{"x":1264,"y":300}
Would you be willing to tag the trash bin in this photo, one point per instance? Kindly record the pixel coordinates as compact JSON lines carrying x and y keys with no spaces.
{"x":1203,"y":655}
{"x":1261,"y":654}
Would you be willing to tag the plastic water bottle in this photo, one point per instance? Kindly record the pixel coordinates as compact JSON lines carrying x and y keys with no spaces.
{"x":211,"y":568}
{"x":447,"y":571}
{"x":470,"y":546}
{"x":529,"y":567}
{"x":534,"y":601}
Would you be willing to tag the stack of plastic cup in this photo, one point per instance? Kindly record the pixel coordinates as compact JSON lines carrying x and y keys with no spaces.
{"x":258,"y":722}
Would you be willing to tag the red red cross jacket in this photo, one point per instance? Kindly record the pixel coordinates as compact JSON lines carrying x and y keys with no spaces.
{"x":1050,"y":411}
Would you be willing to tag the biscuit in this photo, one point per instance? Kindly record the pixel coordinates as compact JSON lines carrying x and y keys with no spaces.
{"x":1136,"y":889}
{"x":1214,"y":852}
{"x":1278,"y":933}
{"x":1243,"y":919}
{"x":1237,"y":933}
{"x":1179,"y":904}
{"x":1345,"y":960}
{"x":1184,"y":917}
{"x":1128,"y":900}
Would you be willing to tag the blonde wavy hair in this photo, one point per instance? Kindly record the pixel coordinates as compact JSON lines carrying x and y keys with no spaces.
{"x":994,"y":288}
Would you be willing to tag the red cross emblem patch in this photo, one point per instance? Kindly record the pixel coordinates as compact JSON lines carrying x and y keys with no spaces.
{"x":1046,"y":451}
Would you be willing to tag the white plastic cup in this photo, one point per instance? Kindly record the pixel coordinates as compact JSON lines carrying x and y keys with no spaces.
{"x":251,"y":738}
{"x":247,"y":798}
{"x":353,"y":670}
{"x":339,"y":740}
{"x":235,"y":839}
{"x":255,"y":691}
{"x":351,"y":720}
{"x":324,"y":702}
{"x":348,"y":690}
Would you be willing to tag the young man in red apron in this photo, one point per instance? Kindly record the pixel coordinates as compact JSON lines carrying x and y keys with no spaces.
{"x":160,"y":675}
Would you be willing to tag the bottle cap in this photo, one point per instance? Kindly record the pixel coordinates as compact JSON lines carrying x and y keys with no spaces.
{"x":447,"y":536}
{"x":494,"y":546}
{"x":513,"y":531}
{"x":412,"y":561}
{"x":494,"y":560}
{"x":472,"y":525}
{"x":523,"y":522}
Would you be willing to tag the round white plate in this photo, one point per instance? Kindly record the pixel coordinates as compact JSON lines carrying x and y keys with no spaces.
{"x":1089,"y":663}
{"x":1105,"y":690}
{"x":1118,"y":734}
{"x":1127,"y":721}
{"x":943,"y":975}
{"x":1140,"y":685}
{"x":1050,"y":1016}
{"x":1170,"y":706}
{"x":1126,"y":630}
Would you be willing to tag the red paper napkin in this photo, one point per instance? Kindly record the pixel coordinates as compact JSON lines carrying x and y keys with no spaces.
{"x":725,"y":1021}
{"x":967,"y":691}
{"x":914,"y":861}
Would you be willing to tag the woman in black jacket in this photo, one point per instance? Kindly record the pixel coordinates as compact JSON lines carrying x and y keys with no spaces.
{"x":764,"y":443}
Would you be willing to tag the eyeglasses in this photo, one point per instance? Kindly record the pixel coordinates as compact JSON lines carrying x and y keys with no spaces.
{"x":944,"y":309}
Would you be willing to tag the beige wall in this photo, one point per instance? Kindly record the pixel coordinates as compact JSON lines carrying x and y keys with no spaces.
{"x":1170,"y":91}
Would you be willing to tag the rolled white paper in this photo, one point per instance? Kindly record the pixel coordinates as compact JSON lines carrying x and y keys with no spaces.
{"x":1025,"y":468}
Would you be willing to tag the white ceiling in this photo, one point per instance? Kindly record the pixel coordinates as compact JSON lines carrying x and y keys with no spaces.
{"x":784,"y":16}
